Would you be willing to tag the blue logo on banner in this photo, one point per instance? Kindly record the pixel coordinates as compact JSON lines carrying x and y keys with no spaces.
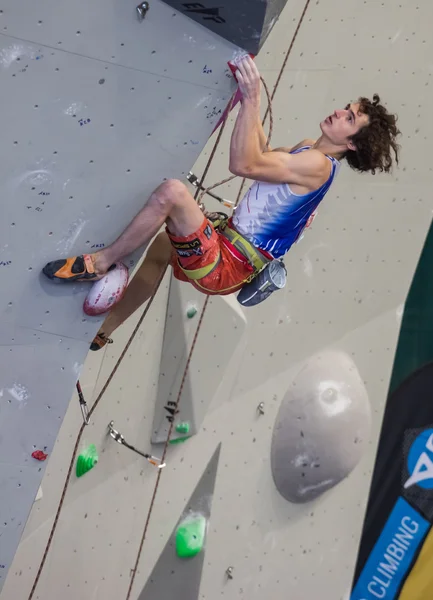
{"x":392,"y":555}
{"x":420,"y":461}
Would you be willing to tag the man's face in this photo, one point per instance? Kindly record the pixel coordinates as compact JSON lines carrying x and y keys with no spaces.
{"x":343,"y":124}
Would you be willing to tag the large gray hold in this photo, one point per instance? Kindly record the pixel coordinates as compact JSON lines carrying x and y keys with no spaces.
{"x":245,"y":23}
{"x":321,"y":429}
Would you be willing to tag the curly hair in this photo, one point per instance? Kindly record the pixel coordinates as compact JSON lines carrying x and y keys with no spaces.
{"x":376,"y":141}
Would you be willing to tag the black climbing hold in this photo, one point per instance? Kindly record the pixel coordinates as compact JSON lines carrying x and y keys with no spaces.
{"x":245,"y":24}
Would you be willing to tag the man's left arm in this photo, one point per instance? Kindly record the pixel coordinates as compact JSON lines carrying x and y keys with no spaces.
{"x":248,"y":159}
{"x":308,"y":169}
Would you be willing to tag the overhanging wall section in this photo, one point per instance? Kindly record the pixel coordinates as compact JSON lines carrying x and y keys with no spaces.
{"x":97,"y":109}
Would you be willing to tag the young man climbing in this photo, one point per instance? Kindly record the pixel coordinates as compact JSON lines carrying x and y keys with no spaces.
{"x":289,"y":185}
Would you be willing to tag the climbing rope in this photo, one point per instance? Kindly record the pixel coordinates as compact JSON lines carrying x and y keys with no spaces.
{"x":110,"y":378}
{"x":198,"y":195}
{"x":80,"y":433}
{"x":271,"y":126}
{"x":205,"y":305}
{"x":167,"y":442}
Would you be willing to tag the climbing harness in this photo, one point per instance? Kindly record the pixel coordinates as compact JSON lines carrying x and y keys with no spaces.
{"x":255,"y":257}
{"x":126,"y":348}
{"x":118,"y":437}
{"x":268,"y":274}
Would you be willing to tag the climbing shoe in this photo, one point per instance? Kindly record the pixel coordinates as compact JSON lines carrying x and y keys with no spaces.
{"x":71,"y":269}
{"x":99,"y":341}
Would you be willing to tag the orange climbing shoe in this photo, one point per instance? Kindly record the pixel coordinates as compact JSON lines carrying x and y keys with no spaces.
{"x":75,"y":268}
{"x":99,"y":341}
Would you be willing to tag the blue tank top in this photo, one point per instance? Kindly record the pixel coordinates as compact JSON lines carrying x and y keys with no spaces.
{"x":272,"y":217}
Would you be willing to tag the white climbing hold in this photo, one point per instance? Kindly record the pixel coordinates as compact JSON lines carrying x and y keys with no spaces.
{"x":322,"y":428}
{"x":107,"y":292}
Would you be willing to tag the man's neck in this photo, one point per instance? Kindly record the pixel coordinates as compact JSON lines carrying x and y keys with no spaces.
{"x":324,"y":145}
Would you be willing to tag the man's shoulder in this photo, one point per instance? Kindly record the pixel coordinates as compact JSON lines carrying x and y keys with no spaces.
{"x":313,"y":160}
{"x":309,"y":169}
{"x":307,"y":142}
{"x":290,"y":149}
{"x":310,"y":160}
{"x":304,"y":143}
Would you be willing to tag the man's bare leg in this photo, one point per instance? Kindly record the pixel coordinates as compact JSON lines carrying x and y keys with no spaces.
{"x":141,"y":285}
{"x":172,"y":203}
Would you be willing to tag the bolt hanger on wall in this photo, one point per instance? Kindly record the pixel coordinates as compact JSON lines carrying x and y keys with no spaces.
{"x":142,"y":10}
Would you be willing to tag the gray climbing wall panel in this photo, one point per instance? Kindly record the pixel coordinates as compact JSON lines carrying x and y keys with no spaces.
{"x":225,"y":324}
{"x":246,"y":23}
{"x":173,"y":576}
{"x":97,"y":109}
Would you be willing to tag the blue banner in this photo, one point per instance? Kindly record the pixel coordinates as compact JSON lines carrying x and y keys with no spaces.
{"x":392,"y":556}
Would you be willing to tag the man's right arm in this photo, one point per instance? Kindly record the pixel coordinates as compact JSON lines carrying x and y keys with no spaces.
{"x":262,"y":136}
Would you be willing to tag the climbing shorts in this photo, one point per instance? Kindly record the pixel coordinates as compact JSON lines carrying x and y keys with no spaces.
{"x":209,"y":261}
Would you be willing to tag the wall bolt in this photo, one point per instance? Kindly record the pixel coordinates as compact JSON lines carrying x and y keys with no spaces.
{"x":142,"y":10}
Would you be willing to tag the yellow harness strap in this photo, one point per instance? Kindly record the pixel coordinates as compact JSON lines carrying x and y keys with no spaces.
{"x":256,"y":259}
{"x":195,"y":274}
{"x":254,"y":256}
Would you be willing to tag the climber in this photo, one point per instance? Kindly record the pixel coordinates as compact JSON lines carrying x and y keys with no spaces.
{"x":216,"y":255}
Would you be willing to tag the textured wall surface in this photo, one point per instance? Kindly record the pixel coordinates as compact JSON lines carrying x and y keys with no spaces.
{"x":96,"y":113}
{"x":348,"y":279}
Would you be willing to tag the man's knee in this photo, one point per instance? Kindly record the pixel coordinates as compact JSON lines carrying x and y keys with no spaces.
{"x":171,"y":193}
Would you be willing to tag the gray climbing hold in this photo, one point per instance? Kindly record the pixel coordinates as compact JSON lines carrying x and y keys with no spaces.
{"x":321,"y":429}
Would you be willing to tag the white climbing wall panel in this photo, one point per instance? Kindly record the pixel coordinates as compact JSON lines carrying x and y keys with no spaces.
{"x":348,"y":279}
{"x":225,"y":324}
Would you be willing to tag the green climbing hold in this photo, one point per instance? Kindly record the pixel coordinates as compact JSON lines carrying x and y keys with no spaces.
{"x":86,"y":460}
{"x":190,"y":536}
{"x":180,"y":440}
{"x":191,"y":312}
{"x":183,"y":427}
